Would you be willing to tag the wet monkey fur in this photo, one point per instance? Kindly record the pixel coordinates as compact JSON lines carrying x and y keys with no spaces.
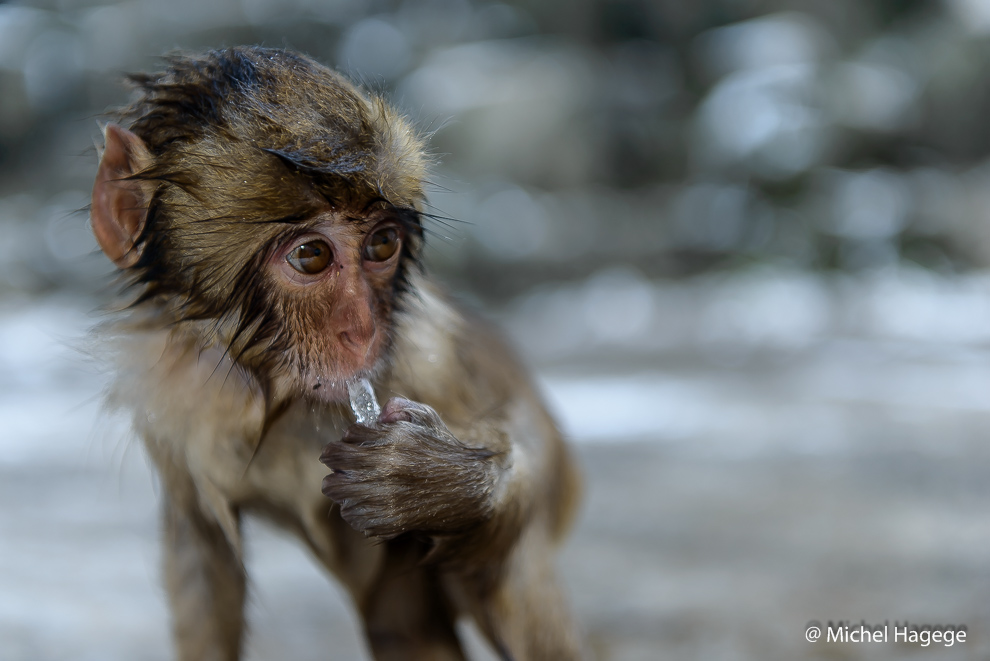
{"x":266,"y":216}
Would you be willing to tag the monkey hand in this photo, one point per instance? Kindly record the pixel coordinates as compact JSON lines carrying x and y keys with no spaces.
{"x":409,"y":473}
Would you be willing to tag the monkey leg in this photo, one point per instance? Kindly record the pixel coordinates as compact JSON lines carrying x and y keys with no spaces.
{"x":521,"y":608}
{"x":406,"y":614}
{"x":205,"y":581}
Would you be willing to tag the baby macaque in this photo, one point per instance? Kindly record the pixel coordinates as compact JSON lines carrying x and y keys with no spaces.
{"x":266,"y":215}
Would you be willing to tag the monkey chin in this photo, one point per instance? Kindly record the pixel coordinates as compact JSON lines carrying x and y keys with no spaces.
{"x":329,"y":386}
{"x":322,"y":377}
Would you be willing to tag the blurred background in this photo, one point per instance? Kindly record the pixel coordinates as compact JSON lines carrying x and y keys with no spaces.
{"x":745,"y":245}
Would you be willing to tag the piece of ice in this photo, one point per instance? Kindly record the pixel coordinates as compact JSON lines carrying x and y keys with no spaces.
{"x":363,"y":403}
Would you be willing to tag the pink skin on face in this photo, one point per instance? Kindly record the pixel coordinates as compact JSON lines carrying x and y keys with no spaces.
{"x":341,"y":289}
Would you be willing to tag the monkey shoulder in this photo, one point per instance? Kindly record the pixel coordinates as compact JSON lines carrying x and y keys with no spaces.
{"x":195,"y":409}
{"x":441,"y":347}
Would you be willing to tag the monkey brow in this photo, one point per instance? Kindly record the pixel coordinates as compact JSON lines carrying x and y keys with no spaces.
{"x":361,"y":215}
{"x":291,"y":219}
{"x":378,"y":200}
{"x":411,"y":219}
{"x":300,"y":160}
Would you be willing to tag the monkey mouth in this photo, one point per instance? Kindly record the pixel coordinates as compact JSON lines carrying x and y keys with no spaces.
{"x":322,"y":376}
{"x":327,"y":389}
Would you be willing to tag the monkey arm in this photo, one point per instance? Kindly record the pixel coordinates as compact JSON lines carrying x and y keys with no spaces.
{"x":472,"y":486}
{"x":472,"y":461}
{"x":494,"y":507}
{"x":409,"y":473}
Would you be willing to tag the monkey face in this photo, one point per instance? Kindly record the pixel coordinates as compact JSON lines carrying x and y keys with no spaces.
{"x":269,"y":207}
{"x":336,"y":281}
{"x":298,"y":286}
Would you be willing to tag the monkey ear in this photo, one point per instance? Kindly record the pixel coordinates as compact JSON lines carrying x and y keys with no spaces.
{"x":120,"y":205}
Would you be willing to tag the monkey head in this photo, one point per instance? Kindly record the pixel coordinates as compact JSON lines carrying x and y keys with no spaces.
{"x":263,"y":202}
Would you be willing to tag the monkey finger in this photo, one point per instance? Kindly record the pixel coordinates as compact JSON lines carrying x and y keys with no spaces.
{"x":340,"y":486}
{"x":373,"y":522}
{"x":328,"y":454}
{"x":344,"y":457}
{"x":400,"y":409}
{"x":396,"y":409}
{"x":362,"y":435}
{"x":361,"y":506}
{"x":328,"y":483}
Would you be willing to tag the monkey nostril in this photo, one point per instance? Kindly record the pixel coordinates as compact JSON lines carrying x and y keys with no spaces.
{"x":348,"y":340}
{"x":356,"y":339}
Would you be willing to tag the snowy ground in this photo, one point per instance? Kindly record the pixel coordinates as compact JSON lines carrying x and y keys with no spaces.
{"x":759,"y":452}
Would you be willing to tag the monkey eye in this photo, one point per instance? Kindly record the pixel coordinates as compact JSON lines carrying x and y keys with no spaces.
{"x":311,"y":257}
{"x":382,"y":244}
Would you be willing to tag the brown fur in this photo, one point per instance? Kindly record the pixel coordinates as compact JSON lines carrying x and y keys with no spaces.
{"x":453,"y":503}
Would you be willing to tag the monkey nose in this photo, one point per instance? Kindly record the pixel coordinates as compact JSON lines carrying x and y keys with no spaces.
{"x":356,"y":342}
